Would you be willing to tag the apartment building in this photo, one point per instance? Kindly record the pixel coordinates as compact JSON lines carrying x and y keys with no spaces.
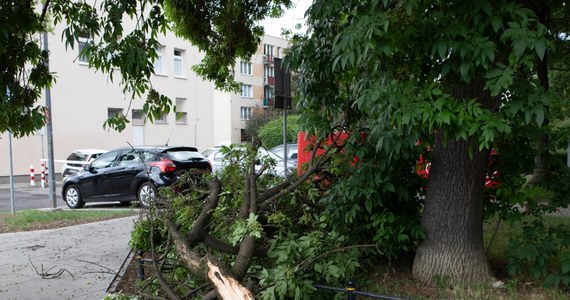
{"x":83,"y":99}
{"x":257,"y":78}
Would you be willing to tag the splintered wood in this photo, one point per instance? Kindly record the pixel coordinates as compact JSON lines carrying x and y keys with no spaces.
{"x":227,"y":287}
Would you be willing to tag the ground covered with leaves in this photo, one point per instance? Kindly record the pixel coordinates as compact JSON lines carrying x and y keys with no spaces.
{"x":394,"y":280}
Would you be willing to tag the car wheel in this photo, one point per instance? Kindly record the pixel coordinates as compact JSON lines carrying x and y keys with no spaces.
{"x":146,"y":194}
{"x":73,"y":197}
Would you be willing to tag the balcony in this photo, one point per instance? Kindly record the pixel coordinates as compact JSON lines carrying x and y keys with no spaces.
{"x":267,"y":102}
{"x":267,"y":59}
{"x":268,"y":80}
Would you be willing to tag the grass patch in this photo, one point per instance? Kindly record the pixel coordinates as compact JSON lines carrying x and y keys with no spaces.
{"x":27,"y":220}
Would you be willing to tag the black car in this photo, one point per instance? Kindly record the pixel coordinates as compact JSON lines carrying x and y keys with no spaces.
{"x":131,"y":174}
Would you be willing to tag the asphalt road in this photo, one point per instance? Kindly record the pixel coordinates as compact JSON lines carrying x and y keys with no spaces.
{"x":27,"y":197}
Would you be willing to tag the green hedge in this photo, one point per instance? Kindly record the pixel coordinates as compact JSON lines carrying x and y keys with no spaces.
{"x":271,"y":134}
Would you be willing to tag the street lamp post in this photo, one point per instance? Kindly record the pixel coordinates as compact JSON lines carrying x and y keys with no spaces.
{"x":49,"y":133}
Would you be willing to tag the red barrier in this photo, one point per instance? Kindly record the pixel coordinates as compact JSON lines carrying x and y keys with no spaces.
{"x":306,"y":145}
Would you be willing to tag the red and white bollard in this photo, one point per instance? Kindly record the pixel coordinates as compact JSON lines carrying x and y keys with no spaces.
{"x":32,"y":179}
{"x":43,"y":175}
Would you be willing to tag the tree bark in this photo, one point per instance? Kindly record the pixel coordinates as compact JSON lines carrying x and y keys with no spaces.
{"x":453,"y":249}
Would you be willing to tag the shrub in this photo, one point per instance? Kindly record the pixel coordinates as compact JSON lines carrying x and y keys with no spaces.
{"x":271,"y":134}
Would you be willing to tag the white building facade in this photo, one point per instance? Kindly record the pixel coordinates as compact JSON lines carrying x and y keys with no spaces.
{"x":83,"y":99}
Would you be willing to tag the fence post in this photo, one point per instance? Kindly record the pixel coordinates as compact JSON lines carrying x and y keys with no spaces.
{"x":350,"y":288}
{"x":43,"y":175}
{"x":32,"y":179}
{"x":140,"y":265}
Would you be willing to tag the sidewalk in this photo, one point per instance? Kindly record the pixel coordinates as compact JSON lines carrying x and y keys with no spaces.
{"x":91,"y":252}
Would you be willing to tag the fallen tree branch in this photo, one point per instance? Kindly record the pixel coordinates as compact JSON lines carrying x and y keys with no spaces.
{"x":224,"y":247}
{"x":109,"y":271}
{"x":46,"y":274}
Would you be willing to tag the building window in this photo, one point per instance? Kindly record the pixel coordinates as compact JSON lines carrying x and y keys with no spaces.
{"x":246,"y":91}
{"x":181,"y":111}
{"x":138,"y":117}
{"x":245,"y":137}
{"x":161,"y":119}
{"x":159,"y":61}
{"x":268,"y":49}
{"x":181,"y":118}
{"x":180,"y":104}
{"x":268,"y":71}
{"x":267,"y":92}
{"x":114,"y":112}
{"x":245,"y":68}
{"x":82,"y":43}
{"x":268,"y":75}
{"x":245,"y":113}
{"x":178,"y":63}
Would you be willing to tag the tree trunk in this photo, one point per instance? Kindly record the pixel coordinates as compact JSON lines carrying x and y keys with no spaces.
{"x":453,"y":250}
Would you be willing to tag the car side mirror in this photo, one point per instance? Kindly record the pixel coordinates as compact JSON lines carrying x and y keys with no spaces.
{"x":88,"y":168}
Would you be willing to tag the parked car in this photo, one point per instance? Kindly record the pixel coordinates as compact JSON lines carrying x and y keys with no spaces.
{"x":81,"y":155}
{"x":291,"y":152}
{"x":216,"y":159}
{"x":131,"y":174}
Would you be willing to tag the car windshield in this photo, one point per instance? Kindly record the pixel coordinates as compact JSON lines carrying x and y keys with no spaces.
{"x":185,"y":155}
{"x":77,"y":156}
{"x":209,"y":150}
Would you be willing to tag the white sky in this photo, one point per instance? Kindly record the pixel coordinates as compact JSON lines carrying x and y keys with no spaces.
{"x":291,"y":17}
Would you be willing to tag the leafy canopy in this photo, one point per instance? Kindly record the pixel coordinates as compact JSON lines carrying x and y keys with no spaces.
{"x":122,"y":40}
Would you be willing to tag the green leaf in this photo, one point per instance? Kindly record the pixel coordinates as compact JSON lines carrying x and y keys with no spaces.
{"x":527,"y":116}
{"x":540,"y":48}
{"x":442,"y":50}
{"x":539,"y":116}
{"x":496,"y":22}
{"x":464,"y":69}
{"x":519,"y":48}
{"x":334,"y":271}
{"x":318,"y":268}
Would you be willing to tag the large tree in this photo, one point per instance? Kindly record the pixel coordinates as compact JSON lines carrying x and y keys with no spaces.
{"x":456,"y":75}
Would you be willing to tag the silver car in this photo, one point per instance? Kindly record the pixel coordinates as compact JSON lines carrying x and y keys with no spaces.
{"x":216,"y":158}
{"x":82,"y":156}
{"x":291,"y":152}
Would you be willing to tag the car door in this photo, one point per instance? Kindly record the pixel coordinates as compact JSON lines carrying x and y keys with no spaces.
{"x":123,"y":175}
{"x":94,"y":183}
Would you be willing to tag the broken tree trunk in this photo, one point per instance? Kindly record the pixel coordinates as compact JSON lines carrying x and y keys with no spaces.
{"x":226,"y":286}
